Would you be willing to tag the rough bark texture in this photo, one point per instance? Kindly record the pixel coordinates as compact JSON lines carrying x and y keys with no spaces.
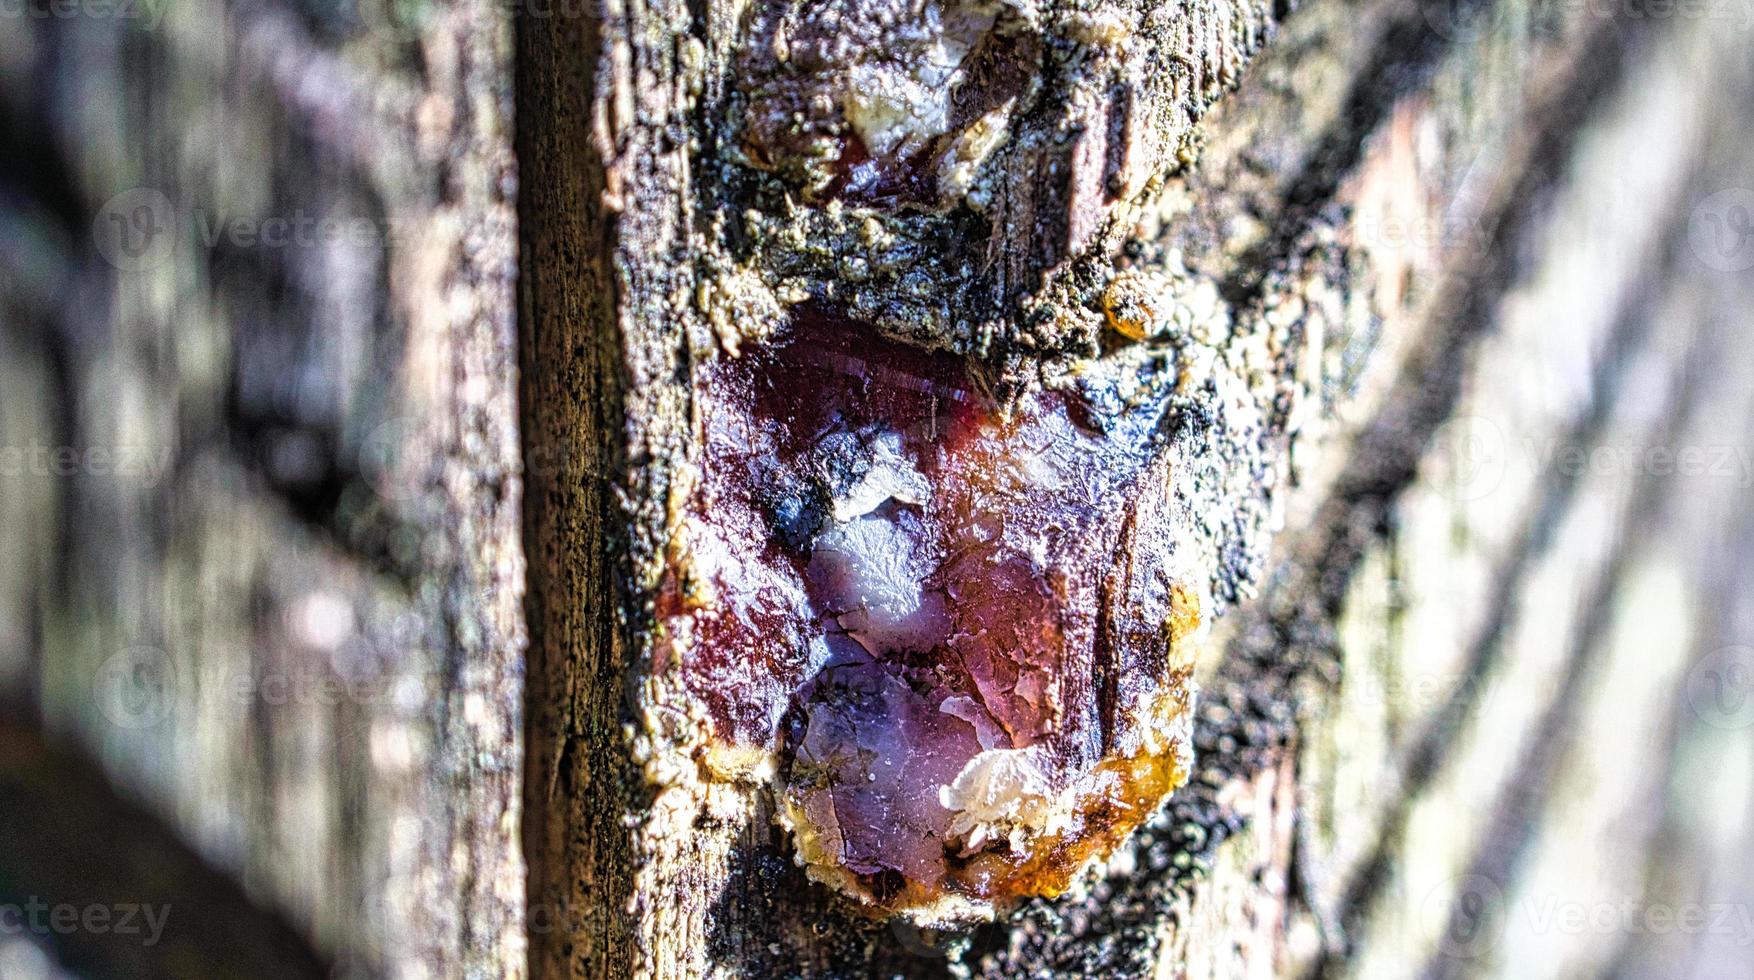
{"x":654,"y":99}
{"x":259,"y":280}
{"x":1377,"y":189}
{"x":262,"y":407}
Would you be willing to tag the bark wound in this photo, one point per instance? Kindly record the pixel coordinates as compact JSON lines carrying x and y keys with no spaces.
{"x":957,"y":173}
{"x":952,"y":638}
{"x":920,"y":557}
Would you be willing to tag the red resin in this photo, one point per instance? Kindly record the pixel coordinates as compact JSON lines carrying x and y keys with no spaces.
{"x":1001,"y":582}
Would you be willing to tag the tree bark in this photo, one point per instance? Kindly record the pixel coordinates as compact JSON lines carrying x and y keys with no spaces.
{"x":1318,"y":205}
{"x":305,"y":356}
{"x":260,"y":301}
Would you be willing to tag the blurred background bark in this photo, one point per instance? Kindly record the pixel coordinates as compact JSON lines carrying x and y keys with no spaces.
{"x":262,"y":549}
{"x":262,"y":470}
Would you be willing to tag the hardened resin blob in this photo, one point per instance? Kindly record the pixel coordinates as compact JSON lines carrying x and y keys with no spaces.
{"x":953,"y":637}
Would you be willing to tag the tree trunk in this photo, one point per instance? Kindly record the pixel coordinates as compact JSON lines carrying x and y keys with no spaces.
{"x":305,"y":356}
{"x":260,"y":299}
{"x":1369,"y":194}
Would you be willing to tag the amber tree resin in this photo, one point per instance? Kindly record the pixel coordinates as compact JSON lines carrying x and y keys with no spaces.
{"x":953,"y":638}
